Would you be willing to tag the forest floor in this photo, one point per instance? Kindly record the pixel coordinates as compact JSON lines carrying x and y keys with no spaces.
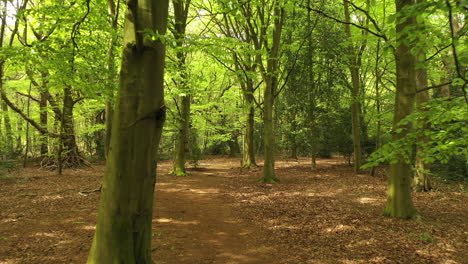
{"x":221,"y":215}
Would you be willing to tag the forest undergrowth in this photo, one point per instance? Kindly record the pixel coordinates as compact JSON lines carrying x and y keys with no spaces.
{"x":220,"y":214}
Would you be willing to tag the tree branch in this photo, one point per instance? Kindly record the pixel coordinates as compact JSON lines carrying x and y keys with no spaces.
{"x":320,"y":12}
{"x":25,"y":117}
{"x":28,"y":96}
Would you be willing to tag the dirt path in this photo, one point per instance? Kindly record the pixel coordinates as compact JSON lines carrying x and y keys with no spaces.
{"x":199,"y":226}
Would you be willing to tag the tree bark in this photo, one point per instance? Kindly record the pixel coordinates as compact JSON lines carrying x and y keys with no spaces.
{"x":43,"y":118}
{"x":71,"y":156}
{"x":123,"y":232}
{"x":399,"y":202}
{"x":421,"y":179}
{"x":269,"y":134}
{"x":184,"y":99}
{"x":113,"y":11}
{"x":354,"y":66}
{"x":271,"y":83}
{"x":8,"y":130}
{"x":182,"y":143}
{"x":248,"y":154}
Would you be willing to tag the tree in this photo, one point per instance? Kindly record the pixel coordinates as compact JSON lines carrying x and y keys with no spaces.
{"x":399,"y":201}
{"x":421,"y":178}
{"x":355,"y":63}
{"x":123,"y":231}
{"x":269,"y":75}
{"x":181,"y":9}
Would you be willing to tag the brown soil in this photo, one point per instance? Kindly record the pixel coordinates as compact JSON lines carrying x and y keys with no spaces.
{"x":220,"y":214}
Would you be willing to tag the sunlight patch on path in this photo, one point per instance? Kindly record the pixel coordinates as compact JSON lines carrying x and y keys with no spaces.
{"x":173,"y":221}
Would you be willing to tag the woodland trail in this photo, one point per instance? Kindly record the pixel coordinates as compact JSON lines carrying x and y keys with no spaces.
{"x":198,"y":226}
{"x":220,"y":215}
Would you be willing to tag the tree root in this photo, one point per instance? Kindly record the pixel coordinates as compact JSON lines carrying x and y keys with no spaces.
{"x":85,"y":193}
{"x":68,"y":162}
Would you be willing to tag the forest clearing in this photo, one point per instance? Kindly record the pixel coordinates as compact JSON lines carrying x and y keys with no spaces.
{"x":220,"y":214}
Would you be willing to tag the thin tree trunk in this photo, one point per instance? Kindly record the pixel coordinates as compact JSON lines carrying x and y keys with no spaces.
{"x":271,"y":83}
{"x":378,"y":133}
{"x":43,"y":118}
{"x":181,"y":150}
{"x":71,"y":155}
{"x":123,"y":231}
{"x":28,"y":108}
{"x":399,"y":202}
{"x":8,"y":130}
{"x":113,"y":11}
{"x":421,"y":179}
{"x":354,"y":66}
{"x":184,"y":100}
{"x":269,"y":135}
{"x":248,"y":154}
{"x":100,"y":137}
{"x":293,"y":137}
{"x":311,"y":96}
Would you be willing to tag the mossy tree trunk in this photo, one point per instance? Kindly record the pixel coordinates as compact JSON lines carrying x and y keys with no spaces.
{"x":311,"y":95}
{"x":355,"y":62}
{"x":399,"y":202}
{"x":269,"y":135}
{"x":181,"y":8}
{"x":111,"y":68}
{"x":378,"y":75}
{"x":182,"y":143}
{"x":248,"y":154}
{"x":43,"y":118}
{"x":293,"y":140}
{"x":71,"y":156}
{"x":244,"y":66}
{"x":271,"y":83}
{"x":421,"y":178}
{"x":9,"y":147}
{"x":123,"y":232}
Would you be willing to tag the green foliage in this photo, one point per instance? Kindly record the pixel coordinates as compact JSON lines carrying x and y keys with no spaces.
{"x":6,"y":167}
{"x":443,"y":124}
{"x":425,"y":237}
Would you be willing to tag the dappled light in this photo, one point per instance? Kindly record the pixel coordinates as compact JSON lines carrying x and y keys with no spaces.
{"x":175,"y":221}
{"x":367,"y":200}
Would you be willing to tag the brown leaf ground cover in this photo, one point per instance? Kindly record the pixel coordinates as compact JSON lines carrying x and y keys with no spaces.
{"x":221,"y":215}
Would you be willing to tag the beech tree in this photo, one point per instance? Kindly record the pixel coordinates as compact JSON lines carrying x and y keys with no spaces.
{"x":399,"y":201}
{"x":123,"y":231}
{"x":181,"y":9}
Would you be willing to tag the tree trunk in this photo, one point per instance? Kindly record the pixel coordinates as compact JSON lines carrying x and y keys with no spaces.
{"x":123,"y":232}
{"x":71,"y":156}
{"x":248,"y":154}
{"x":271,"y":83}
{"x":269,"y":135}
{"x":182,"y":145}
{"x":399,"y":201}
{"x":113,"y":12}
{"x":234,"y":149}
{"x":378,"y":132}
{"x":100,"y":137}
{"x":354,"y":66}
{"x":43,"y":118}
{"x":293,"y":136}
{"x":8,"y":130}
{"x":421,"y":179}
